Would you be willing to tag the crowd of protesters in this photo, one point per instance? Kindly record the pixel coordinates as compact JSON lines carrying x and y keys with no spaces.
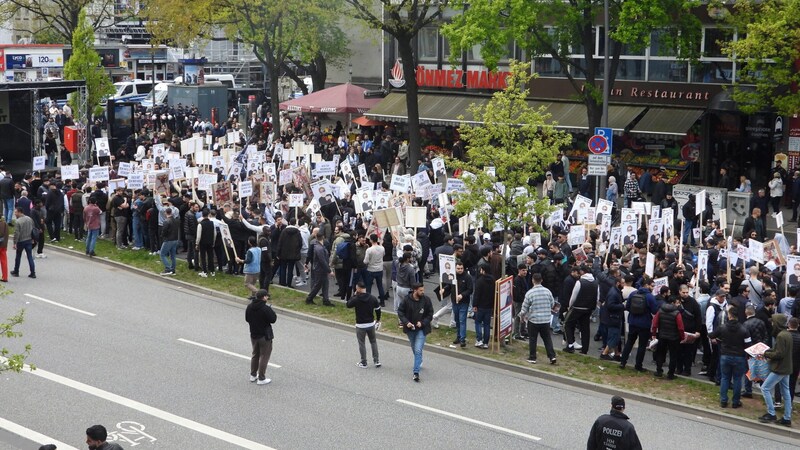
{"x":557,"y":290}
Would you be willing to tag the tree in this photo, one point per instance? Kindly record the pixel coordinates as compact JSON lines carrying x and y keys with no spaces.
{"x":56,"y":20}
{"x":9,"y":360}
{"x":403,"y":19}
{"x":84,"y":64}
{"x":278,"y":31}
{"x":561,"y":29}
{"x":520,"y":142}
{"x":768,"y":48}
{"x":332,"y":51}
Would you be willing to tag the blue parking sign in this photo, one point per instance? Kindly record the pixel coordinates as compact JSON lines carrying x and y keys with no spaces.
{"x":608,"y":133}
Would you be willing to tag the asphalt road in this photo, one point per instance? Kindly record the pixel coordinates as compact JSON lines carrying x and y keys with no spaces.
{"x":127,"y":356}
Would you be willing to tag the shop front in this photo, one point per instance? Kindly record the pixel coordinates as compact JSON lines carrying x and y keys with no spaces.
{"x":31,"y":62}
{"x":146,"y":62}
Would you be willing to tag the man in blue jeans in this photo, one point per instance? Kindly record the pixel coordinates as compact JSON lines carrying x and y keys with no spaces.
{"x":170,"y":236}
{"x":23,"y":240}
{"x":733,"y":338}
{"x":415,"y":314}
{"x":460,"y":294}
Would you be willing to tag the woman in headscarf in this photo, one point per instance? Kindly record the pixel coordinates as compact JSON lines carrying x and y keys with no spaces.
{"x":613,"y":190}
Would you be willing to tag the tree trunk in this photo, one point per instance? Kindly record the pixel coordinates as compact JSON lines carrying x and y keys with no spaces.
{"x":319,"y":72}
{"x":292,"y":73}
{"x":409,"y":73}
{"x":274,"y":70}
{"x":594,"y":112}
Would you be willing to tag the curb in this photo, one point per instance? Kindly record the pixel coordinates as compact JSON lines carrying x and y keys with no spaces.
{"x":523,"y":370}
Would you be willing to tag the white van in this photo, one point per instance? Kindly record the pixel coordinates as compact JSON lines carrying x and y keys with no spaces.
{"x":158,"y":96}
{"x":225,"y":78}
{"x":132,"y":91}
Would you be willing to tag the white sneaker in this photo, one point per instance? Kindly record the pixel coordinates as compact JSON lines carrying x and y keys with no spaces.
{"x":264,"y":381}
{"x":478,"y":343}
{"x":435,"y":323}
{"x":452,"y":324}
{"x":253,"y":378}
{"x":577,"y":346}
{"x":213,"y":274}
{"x":136,"y":248}
{"x":202,"y":275}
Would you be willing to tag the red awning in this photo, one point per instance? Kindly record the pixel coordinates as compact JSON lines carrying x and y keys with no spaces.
{"x":365,"y":121}
{"x":342,"y":99}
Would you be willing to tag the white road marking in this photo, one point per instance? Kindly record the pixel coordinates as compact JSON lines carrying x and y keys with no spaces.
{"x":472,"y":421}
{"x":60,"y":305}
{"x":147,"y":409}
{"x":32,"y":435}
{"x":223,"y":351}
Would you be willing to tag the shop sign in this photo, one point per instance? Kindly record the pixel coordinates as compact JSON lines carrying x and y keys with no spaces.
{"x":453,"y":78}
{"x":34,"y":61}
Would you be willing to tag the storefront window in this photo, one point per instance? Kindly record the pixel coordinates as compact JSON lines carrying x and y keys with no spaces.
{"x":547,"y":67}
{"x":719,"y":72}
{"x":714,"y":40}
{"x":663,"y":43}
{"x":427,"y":43}
{"x":630,"y":69}
{"x":668,"y":71}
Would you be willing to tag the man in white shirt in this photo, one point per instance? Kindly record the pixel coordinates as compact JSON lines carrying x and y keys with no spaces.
{"x":373,"y":259}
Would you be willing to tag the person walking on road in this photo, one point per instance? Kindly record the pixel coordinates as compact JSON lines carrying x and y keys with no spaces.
{"x":613,"y":430}
{"x":260,"y":316}
{"x":96,"y":436}
{"x":368,"y":321}
{"x":415,"y":314}
{"x":536,"y":310}
{"x":23,"y":241}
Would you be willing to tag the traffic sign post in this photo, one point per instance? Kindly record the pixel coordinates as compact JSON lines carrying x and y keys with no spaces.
{"x":599,"y":145}
{"x":607,"y":133}
{"x":597,"y":170}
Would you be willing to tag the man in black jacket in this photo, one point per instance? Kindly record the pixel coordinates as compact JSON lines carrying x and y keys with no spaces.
{"x":734,"y":338}
{"x":415,"y":315}
{"x":613,"y":430}
{"x":260,"y":316}
{"x":368,"y":320}
{"x":170,"y":233}
{"x":54,"y":203}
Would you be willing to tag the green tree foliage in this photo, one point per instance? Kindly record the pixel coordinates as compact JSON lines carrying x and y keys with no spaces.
{"x":84,"y":64}
{"x":560,"y":29}
{"x":403,"y":19}
{"x":9,"y":359}
{"x":520,"y":142}
{"x":54,"y":21}
{"x":768,"y":48}
{"x":278,"y":31}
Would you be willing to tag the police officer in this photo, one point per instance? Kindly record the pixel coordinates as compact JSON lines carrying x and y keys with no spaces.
{"x":613,"y":431}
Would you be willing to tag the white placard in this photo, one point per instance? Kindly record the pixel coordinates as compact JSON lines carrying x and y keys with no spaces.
{"x":98,"y":173}
{"x":401,"y":184}
{"x":577,"y":235}
{"x":71,"y":172}
{"x":102,"y":147}
{"x":38,"y":162}
{"x":295,"y":200}
{"x":326,"y":169}
{"x":245,"y":189}
{"x":455,"y":185}
{"x":416,"y":217}
{"x":136,"y":180}
{"x":650,"y":265}
{"x":700,"y":203}
{"x":420,"y":182}
{"x":124,"y":169}
{"x":756,"y":250}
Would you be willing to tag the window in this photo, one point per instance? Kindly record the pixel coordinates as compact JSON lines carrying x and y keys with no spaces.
{"x":667,"y":71}
{"x":714,"y":40}
{"x":547,"y":67}
{"x":427,"y":44}
{"x":630,"y":69}
{"x":719,"y":72}
{"x":663,"y":43}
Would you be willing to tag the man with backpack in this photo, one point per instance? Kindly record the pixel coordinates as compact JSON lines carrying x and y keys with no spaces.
{"x":641,"y":305}
{"x":341,"y":261}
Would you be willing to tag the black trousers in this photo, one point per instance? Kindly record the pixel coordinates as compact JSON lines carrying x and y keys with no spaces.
{"x":578,"y":318}
{"x":534,"y":331}
{"x":642,"y":334}
{"x":665,"y":346}
{"x":206,"y":257}
{"x":686,"y":355}
{"x":191,"y":255}
{"x":265,"y":276}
